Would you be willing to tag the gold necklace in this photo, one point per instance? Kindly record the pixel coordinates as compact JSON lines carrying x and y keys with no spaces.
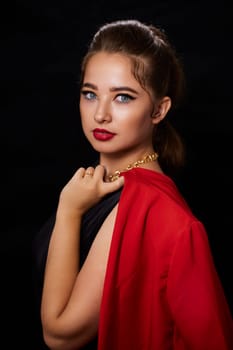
{"x":148,"y":158}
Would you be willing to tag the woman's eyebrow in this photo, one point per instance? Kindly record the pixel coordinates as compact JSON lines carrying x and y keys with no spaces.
{"x":112,"y":89}
{"x":89,"y":85}
{"x":125,"y":88}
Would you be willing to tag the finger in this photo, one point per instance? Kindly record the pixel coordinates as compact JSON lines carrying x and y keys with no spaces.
{"x":99,"y":171}
{"x":80,"y":172}
{"x":89,"y":171}
{"x":118,"y":183}
{"x":115,"y":185}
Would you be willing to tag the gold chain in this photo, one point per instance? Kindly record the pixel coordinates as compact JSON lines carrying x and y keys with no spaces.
{"x":149,"y":158}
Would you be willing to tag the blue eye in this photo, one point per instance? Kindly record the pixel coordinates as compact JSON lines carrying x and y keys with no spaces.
{"x":89,"y":95}
{"x":124,"y":98}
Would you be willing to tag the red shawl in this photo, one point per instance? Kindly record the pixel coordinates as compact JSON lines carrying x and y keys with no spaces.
{"x":161,"y":289}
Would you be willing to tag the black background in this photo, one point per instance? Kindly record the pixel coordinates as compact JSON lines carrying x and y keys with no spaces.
{"x":42,"y":141}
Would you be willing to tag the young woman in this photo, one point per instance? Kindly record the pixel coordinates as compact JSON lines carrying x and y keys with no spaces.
{"x":129,"y":266}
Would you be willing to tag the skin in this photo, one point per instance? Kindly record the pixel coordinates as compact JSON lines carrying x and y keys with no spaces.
{"x":111,"y":99}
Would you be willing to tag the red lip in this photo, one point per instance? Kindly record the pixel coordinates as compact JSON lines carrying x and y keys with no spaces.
{"x":103,"y":135}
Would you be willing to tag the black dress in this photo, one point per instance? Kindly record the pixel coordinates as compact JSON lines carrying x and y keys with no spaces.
{"x":91,"y":223}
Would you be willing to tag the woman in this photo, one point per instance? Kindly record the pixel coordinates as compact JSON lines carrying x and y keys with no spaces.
{"x":127,"y":259}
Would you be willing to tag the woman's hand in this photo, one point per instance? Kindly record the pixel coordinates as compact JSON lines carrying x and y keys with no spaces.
{"x":86,"y":188}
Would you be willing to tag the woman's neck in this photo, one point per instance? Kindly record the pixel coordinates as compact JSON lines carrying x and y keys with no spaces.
{"x":114,"y":165}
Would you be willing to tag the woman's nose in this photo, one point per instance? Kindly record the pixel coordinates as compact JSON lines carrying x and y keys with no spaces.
{"x":103,"y":113}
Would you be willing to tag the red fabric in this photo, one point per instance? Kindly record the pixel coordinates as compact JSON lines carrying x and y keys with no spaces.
{"x":161,"y":288}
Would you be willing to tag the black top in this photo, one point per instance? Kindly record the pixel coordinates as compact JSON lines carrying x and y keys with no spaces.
{"x":91,"y":223}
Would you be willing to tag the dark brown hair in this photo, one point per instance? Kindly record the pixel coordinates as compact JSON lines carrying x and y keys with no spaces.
{"x":157,"y":68}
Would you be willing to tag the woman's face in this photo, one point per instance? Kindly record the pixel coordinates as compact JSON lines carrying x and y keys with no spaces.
{"x":115,"y":110}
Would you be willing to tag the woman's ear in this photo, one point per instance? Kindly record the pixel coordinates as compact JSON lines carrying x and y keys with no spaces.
{"x":161,"y":109}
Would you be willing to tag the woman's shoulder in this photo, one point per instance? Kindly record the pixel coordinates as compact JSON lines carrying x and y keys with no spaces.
{"x":148,"y":177}
{"x":157,"y":191}
{"x":151,"y":182}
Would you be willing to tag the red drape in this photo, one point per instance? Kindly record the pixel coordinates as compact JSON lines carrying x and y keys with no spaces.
{"x":161,"y":288}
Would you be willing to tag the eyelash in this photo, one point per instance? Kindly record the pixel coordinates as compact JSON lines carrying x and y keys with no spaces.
{"x":86,"y":93}
{"x":91,"y":93}
{"x":127,"y":97}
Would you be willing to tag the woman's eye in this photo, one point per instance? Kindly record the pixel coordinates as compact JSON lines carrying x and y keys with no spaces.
{"x":124,"y":98}
{"x":89,"y":95}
